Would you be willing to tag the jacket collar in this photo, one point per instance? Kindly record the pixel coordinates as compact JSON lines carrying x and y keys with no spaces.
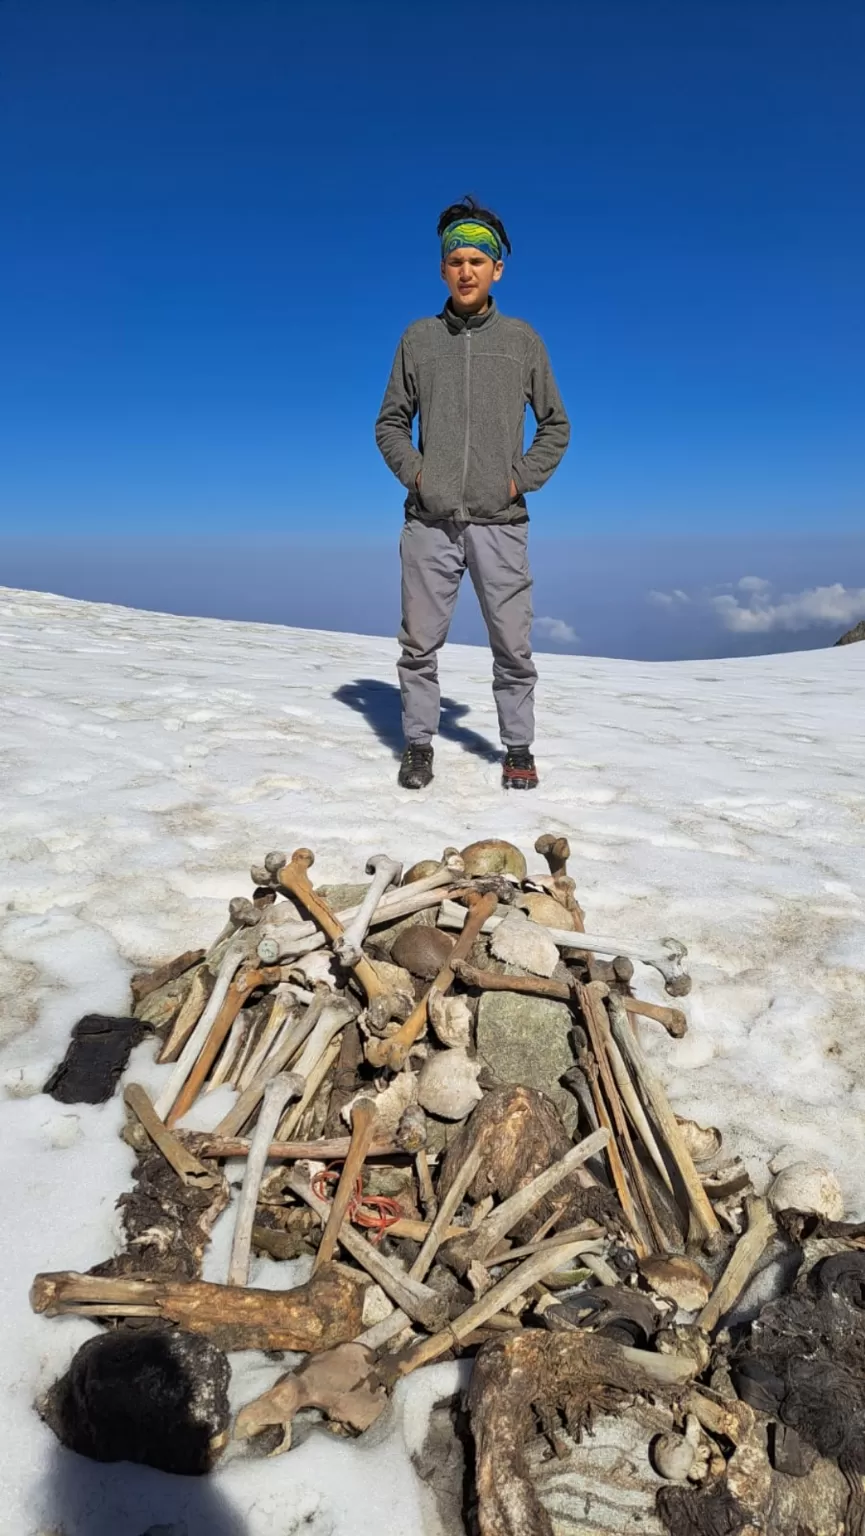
{"x":457,"y":323}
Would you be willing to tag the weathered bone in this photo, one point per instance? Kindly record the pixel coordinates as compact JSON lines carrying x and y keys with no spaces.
{"x":552,"y":1256}
{"x":187,"y":1167}
{"x":746,"y":1254}
{"x":277,"y":1019}
{"x":276,"y":1095}
{"x":385,"y":871}
{"x":631,"y":1100}
{"x":331,"y":1149}
{"x":419,"y":1303}
{"x":229,"y":964}
{"x":340,"y":1382}
{"x":589,"y":999}
{"x":556,"y":851}
{"x":666,"y":956}
{"x":650,"y":1084}
{"x":394,"y":1051}
{"x":324,"y":1017}
{"x":363,"y":1128}
{"x":497,"y":981}
{"x":324,"y":1312}
{"x":294,"y":936}
{"x":189,"y":1015}
{"x":485,"y":1238}
{"x":673,"y":1019}
{"x":242,"y":986}
{"x":293,"y":878}
{"x":318,"y":1072}
{"x":440,"y":1231}
{"x":229,"y":1055}
{"x":592,"y":1070}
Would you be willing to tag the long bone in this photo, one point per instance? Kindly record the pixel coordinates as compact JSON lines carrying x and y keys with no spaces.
{"x":394,"y":1052}
{"x":324,"y":1017}
{"x":364,"y":1120}
{"x":231,"y":961}
{"x":276,"y":1095}
{"x":293,"y":878}
{"x":240,"y":988}
{"x":385,"y":871}
{"x":283,"y":934}
{"x":666,"y":956}
{"x":703,"y":1215}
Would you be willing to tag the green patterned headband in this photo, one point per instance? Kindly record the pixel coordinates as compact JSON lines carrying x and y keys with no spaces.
{"x":466,"y":232}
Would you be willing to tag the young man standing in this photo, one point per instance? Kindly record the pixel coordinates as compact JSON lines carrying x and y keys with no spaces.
{"x":467,"y":374}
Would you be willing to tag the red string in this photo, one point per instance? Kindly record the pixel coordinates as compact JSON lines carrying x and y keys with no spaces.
{"x":374,"y":1212}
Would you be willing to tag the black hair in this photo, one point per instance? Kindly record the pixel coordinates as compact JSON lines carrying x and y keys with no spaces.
{"x":468,"y":208}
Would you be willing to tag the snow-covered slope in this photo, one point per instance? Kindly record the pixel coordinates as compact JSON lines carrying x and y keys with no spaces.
{"x":146,"y":760}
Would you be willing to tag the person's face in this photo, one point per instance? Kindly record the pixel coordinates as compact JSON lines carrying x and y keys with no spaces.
{"x":470,"y":275}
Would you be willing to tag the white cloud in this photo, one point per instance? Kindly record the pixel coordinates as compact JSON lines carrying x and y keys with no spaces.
{"x":556,"y":630}
{"x":815,"y":607}
{"x":754,"y":584}
{"x":669,"y":599}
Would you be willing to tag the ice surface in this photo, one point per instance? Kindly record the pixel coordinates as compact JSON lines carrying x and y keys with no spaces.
{"x":146,"y":760}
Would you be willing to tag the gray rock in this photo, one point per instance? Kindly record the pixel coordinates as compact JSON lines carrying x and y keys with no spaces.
{"x":519,"y":942}
{"x":854,"y":634}
{"x":527,"y":1040}
{"x":339,"y":897}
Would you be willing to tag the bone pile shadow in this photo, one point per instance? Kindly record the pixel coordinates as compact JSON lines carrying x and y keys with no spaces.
{"x":447,"y":1100}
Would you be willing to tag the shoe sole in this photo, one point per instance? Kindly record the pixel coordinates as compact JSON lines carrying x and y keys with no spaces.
{"x":519,"y":783}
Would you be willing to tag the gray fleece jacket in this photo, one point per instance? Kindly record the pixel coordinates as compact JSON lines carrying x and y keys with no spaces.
{"x":469,"y":380}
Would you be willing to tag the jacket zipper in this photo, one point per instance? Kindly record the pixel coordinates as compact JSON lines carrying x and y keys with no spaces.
{"x":468,"y":335}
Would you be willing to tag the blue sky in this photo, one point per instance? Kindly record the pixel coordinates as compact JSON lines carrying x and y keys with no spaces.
{"x":220,"y":215}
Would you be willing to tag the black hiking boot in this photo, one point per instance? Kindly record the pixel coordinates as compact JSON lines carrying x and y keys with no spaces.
{"x":519,"y":771}
{"x":416,"y":768}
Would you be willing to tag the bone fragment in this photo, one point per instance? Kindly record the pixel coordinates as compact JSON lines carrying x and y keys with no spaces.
{"x":363,"y":1129}
{"x":293,"y":878}
{"x":599,"y":1035}
{"x":326,"y":1149}
{"x":312,"y":1083}
{"x":631,"y":1100}
{"x":276,"y":1021}
{"x":276,"y":1095}
{"x":229,"y":964}
{"x":673,"y":1019}
{"x":746,"y":1254}
{"x":326,"y":1311}
{"x":188,"y":1016}
{"x":324,"y":1017}
{"x":703,"y":1215}
{"x":385,"y":871}
{"x":243,"y":985}
{"x":187,"y":1167}
{"x":439,"y":1232}
{"x":229,"y":1055}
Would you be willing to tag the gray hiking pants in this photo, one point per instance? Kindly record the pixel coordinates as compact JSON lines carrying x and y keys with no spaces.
{"x":434,"y":557}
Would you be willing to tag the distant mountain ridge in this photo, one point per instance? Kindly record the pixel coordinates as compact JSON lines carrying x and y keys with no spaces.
{"x":854,"y":634}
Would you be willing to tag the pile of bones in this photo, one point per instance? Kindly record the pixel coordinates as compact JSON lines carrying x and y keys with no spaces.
{"x":590,"y":1264}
